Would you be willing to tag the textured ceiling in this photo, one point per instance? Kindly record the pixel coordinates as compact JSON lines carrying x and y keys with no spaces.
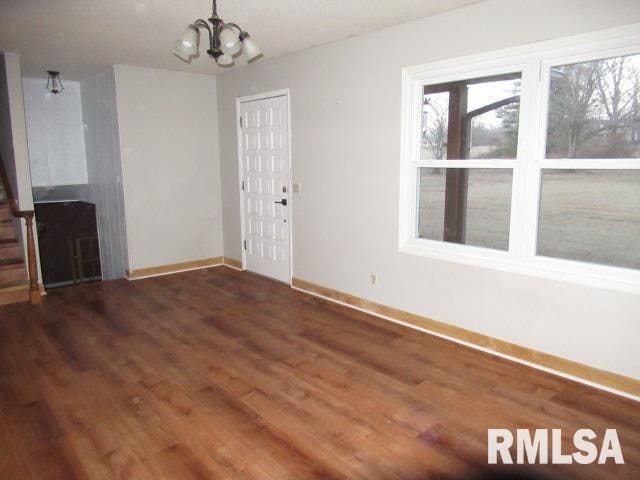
{"x":80,"y":37}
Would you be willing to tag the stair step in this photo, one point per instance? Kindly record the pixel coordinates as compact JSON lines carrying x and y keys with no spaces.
{"x":6,"y":230}
{"x":14,"y":292}
{"x":8,"y":242}
{"x":14,"y":284}
{"x":10,"y":262}
{"x":5,"y":213}
{"x":12,"y":269}
{"x":10,"y":249}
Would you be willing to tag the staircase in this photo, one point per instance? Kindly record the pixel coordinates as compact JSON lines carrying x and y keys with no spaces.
{"x":14,"y":281}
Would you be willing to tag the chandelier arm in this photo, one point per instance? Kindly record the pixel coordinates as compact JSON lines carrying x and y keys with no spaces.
{"x":202,"y":24}
{"x":234,"y":25}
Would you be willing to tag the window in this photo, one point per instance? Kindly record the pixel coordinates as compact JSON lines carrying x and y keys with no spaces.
{"x":591,"y":216}
{"x":527,"y":162}
{"x":594,"y":109}
{"x":471,"y":119}
{"x":465,"y":205}
{"x":475,"y":118}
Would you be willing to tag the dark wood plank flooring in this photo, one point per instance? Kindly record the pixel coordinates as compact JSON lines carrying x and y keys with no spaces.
{"x":222,"y":374}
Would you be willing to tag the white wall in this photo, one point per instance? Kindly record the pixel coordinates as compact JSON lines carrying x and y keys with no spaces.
{"x":345,"y":145}
{"x":13,"y":132}
{"x":169,"y":140}
{"x":13,"y":142}
{"x":104,"y":165}
{"x":55,"y":134}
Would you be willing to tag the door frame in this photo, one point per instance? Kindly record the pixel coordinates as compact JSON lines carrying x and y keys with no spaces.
{"x":284,"y":92}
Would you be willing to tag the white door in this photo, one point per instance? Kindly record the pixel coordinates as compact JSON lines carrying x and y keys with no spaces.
{"x":264,"y":151}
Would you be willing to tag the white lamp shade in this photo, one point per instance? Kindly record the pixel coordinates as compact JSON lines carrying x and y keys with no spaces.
{"x":187,"y":46}
{"x":229,"y":41}
{"x":224,"y":60}
{"x":250,"y":49}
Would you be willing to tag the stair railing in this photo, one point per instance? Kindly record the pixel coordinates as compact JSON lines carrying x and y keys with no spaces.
{"x":34,"y":289}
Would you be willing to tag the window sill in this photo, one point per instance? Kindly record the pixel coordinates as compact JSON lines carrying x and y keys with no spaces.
{"x":592,"y":275}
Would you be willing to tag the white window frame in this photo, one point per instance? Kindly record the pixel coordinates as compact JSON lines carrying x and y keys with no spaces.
{"x":534,"y":61}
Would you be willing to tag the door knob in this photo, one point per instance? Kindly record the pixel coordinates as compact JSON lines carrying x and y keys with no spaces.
{"x":283,"y":202}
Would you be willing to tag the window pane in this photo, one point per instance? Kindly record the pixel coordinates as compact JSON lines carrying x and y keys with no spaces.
{"x":591,"y":215}
{"x":468,"y":206}
{"x":594,"y":109}
{"x":471,"y":119}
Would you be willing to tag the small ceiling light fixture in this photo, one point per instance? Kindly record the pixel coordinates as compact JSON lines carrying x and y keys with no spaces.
{"x":54,"y":84}
{"x":226,"y":40}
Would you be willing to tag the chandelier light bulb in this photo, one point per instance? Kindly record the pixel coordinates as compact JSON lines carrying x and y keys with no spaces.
{"x":229,"y":41}
{"x":250,"y":48}
{"x":224,"y":60}
{"x":187,"y":46}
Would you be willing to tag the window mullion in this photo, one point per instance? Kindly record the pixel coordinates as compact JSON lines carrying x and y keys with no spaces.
{"x":537,"y":132}
{"x":531,"y":206}
{"x":525,"y":190}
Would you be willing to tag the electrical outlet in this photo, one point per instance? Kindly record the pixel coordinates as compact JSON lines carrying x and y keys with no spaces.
{"x":297,"y":188}
{"x":374,"y":278}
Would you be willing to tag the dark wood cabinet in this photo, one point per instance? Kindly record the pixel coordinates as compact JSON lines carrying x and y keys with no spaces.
{"x":68,"y":242}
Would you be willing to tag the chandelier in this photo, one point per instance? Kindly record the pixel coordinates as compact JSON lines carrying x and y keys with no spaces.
{"x":226,"y":40}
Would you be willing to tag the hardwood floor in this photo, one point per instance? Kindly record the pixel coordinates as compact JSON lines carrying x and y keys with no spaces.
{"x":222,"y":374}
